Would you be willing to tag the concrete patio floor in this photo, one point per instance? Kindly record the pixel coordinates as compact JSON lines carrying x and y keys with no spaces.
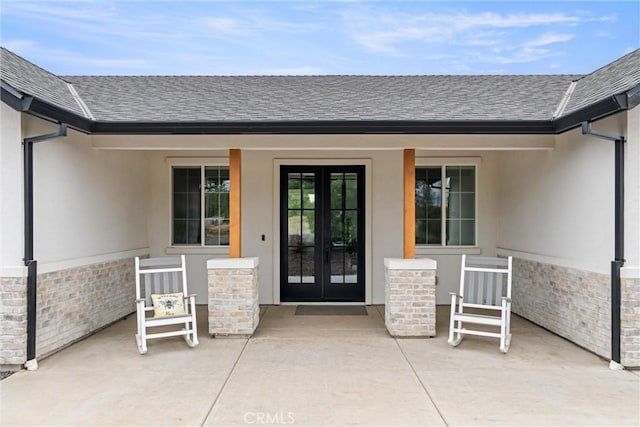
{"x":321,"y":370}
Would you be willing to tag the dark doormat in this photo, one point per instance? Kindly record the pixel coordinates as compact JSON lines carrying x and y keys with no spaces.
{"x":331,"y":310}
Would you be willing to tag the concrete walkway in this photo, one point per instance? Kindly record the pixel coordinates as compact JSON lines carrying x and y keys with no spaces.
{"x":321,"y":370}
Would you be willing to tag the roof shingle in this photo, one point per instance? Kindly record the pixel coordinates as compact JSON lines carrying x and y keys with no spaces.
{"x":33,"y":80}
{"x":274,"y":98}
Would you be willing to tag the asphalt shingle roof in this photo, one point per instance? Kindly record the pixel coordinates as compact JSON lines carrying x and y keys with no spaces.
{"x":612,"y":79}
{"x":33,"y":80}
{"x":322,"y":97}
{"x":328,"y":98}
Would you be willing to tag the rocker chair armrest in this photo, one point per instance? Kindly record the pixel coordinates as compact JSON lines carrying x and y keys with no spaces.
{"x":190,"y":296}
{"x":506,"y":299}
{"x":454,"y":294}
{"x":139,"y":300}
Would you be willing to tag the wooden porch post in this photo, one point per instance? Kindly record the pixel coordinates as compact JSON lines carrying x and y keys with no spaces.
{"x":235,"y":226}
{"x":409,"y":203}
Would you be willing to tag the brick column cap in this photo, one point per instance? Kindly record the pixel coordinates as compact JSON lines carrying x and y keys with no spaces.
{"x":232,"y":263}
{"x":410,"y":264}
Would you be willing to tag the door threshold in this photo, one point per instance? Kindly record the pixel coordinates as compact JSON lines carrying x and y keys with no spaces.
{"x":322,"y":303}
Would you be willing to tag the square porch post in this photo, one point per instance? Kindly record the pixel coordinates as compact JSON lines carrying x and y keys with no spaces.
{"x":235,"y":225}
{"x":409,"y":203}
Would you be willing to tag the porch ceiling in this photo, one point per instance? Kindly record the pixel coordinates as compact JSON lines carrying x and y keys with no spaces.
{"x":324,"y":142}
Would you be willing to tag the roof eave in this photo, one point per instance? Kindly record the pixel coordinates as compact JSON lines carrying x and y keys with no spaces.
{"x":328,"y":127}
{"x":598,"y":110}
{"x":43,"y":109}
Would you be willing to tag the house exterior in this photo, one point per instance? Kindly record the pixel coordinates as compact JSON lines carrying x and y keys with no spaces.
{"x":320,"y":178}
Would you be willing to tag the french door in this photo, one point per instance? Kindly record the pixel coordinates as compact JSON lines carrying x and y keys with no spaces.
{"x":322,"y":233}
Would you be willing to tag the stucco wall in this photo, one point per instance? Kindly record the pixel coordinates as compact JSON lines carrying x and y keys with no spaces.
{"x":258,"y":168}
{"x":11,"y":209}
{"x":87,"y":202}
{"x":487,"y":170}
{"x":90,"y":216}
{"x":557,"y":216}
{"x":559,"y":204}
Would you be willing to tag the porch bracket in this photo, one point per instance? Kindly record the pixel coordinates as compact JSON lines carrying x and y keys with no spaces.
{"x":618,"y":261}
{"x":29,"y":261}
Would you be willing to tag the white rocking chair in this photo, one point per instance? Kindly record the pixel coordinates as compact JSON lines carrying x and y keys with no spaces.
{"x":163,"y":281}
{"x":483,"y":289}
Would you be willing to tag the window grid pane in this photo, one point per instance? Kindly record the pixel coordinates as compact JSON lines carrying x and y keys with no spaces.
{"x":186,"y":205}
{"x":460,"y":205}
{"x":216,"y":201}
{"x":200,"y":203}
{"x":457,"y":223}
{"x":428,"y":205}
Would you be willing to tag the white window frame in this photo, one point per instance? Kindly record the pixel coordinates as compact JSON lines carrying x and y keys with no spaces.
{"x":443,"y":248}
{"x":193,"y":162}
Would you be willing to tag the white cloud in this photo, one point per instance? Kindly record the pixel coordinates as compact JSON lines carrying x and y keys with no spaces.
{"x":226,"y":26}
{"x":549,"y":38}
{"x":379,"y":31}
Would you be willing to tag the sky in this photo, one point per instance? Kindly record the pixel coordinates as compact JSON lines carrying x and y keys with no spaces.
{"x":270,"y":37}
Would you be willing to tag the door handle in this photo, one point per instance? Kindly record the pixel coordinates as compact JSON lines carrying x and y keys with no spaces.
{"x":326,"y":256}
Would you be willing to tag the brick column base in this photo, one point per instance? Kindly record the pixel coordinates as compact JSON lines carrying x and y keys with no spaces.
{"x":410,"y":297}
{"x":233,"y":297}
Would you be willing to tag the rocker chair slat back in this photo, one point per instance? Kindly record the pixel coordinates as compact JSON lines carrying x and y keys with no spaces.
{"x":482,"y":280}
{"x":161,"y":276}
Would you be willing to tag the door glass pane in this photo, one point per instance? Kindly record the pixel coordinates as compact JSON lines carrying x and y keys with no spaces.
{"x":294,"y":265}
{"x":351,"y":246}
{"x":295,"y":229}
{"x":336,"y":236}
{"x":308,"y":191}
{"x":337,"y":249}
{"x":337,"y":190}
{"x":301,"y":227}
{"x":337,"y":263}
{"x":308,"y":227}
{"x":294,"y":191}
{"x":351,"y":190}
{"x":308,"y":265}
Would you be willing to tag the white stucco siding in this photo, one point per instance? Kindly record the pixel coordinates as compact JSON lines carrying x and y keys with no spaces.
{"x":487,"y":210}
{"x":11,"y":179}
{"x":557,"y":206}
{"x":259,"y":198}
{"x":632,"y":195}
{"x":158,"y":214}
{"x":88,"y":204}
{"x":384,"y":217}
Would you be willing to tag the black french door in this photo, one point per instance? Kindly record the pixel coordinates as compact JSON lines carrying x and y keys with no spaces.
{"x":322,"y":233}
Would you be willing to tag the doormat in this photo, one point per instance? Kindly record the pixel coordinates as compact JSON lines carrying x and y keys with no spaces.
{"x":331,"y":310}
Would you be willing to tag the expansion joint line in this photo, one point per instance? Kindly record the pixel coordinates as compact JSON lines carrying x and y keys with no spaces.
{"x":424,"y":387}
{"x":224,"y":385}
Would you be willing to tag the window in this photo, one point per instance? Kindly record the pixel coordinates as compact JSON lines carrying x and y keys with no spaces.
{"x":455,"y":225}
{"x":200,"y":205}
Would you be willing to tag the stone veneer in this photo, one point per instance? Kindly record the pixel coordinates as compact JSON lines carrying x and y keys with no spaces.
{"x":13,"y":320}
{"x":71,"y":304}
{"x":630,"y":322}
{"x":233,"y":297}
{"x":576,"y":305}
{"x":410,"y":297}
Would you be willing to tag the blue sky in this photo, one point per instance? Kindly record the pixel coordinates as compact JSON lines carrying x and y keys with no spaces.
{"x":324,"y":37}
